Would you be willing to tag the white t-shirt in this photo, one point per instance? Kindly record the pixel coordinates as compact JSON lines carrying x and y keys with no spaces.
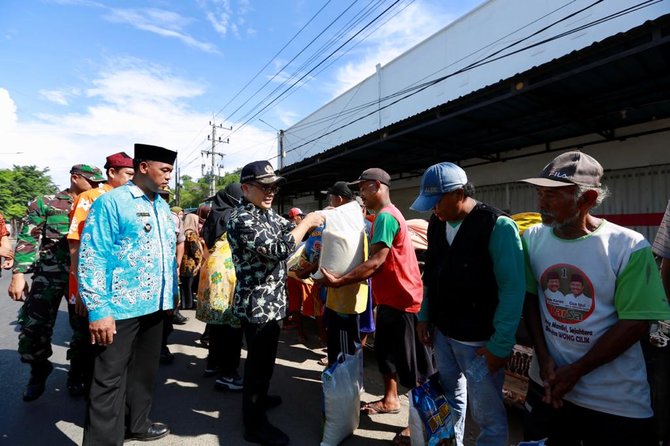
{"x":620,"y":281}
{"x":580,"y":302}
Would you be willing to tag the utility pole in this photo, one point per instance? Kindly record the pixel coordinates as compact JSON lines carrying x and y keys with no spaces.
{"x":213,"y":153}
{"x":177,"y":186}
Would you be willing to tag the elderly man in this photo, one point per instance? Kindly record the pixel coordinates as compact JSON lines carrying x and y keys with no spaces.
{"x":398,"y":291}
{"x":261,"y":241}
{"x":588,"y":381}
{"x":42,"y":249}
{"x":473,"y":280}
{"x":127,"y":278}
{"x":119,"y":167}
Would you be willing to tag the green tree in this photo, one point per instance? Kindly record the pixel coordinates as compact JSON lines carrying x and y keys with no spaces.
{"x":192,"y":192}
{"x":20,"y":185}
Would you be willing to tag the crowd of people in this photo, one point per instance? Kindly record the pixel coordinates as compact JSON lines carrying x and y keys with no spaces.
{"x":587,"y":291}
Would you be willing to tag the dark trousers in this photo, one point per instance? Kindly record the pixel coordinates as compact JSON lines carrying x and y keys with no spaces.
{"x":225,"y":348}
{"x":187,"y":292}
{"x":397,"y":349}
{"x":658,"y":374}
{"x":81,"y":352}
{"x":123,"y":381}
{"x":262,"y":341}
{"x":573,"y":425}
{"x":342,"y":334}
{"x":37,"y":316}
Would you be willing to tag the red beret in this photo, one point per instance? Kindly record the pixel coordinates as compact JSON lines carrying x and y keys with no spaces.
{"x":119,"y":160}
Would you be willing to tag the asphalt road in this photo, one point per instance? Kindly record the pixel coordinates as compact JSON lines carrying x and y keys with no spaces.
{"x":184,"y":399}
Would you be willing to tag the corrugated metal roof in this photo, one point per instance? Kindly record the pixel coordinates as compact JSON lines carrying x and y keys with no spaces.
{"x":621,"y":81}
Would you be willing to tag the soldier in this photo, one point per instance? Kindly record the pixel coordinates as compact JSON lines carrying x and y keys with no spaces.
{"x":42,"y":249}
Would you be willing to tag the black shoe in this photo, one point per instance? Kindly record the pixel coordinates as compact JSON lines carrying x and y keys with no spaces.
{"x":211,"y":371}
{"x":179,"y":319}
{"x":76,"y":386}
{"x":267,"y":435}
{"x":166,"y":357}
{"x":155,"y":431}
{"x":39,"y":372}
{"x":234,"y":383}
{"x":272,"y":401}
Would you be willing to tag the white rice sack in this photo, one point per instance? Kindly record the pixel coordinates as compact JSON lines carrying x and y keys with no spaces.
{"x":342,"y":241}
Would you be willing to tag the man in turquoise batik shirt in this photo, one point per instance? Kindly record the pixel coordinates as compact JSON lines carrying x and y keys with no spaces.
{"x":127,"y":277}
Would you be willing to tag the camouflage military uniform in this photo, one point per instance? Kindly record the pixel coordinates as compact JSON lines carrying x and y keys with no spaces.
{"x":42,"y":249}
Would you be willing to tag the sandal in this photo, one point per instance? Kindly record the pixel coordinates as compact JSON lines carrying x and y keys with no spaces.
{"x":402,"y":438}
{"x":377,"y":408}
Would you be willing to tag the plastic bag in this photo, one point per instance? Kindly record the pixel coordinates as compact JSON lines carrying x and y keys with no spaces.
{"x":341,"y":399}
{"x":430,"y":418}
{"x":341,"y":241}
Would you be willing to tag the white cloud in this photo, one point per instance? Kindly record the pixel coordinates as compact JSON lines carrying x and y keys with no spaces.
{"x":161,"y":22}
{"x":60,"y":97}
{"x":131,"y":102}
{"x":225,"y":18}
{"x":7,"y":112}
{"x":414,"y":24}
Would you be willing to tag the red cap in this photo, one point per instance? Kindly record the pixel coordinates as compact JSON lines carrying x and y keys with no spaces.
{"x":294,"y":212}
{"x":118,"y":160}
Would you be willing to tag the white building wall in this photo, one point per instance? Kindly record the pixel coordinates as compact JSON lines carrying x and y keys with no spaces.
{"x":482,"y":35}
{"x":637,"y":172}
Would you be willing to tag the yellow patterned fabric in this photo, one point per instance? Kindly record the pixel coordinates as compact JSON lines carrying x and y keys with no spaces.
{"x":217,"y":286}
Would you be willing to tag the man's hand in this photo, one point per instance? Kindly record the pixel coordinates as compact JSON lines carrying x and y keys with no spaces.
{"x":80,"y":306}
{"x":328,"y":280}
{"x":314,"y":219}
{"x":423,"y":332}
{"x":563,"y":381}
{"x":102,"y":331}
{"x":548,"y":374}
{"x":7,"y":263}
{"x":6,"y":252}
{"x":493,"y":362}
{"x":18,"y":287}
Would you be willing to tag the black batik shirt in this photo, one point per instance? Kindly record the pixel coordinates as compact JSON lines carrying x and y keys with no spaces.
{"x":261,"y":242}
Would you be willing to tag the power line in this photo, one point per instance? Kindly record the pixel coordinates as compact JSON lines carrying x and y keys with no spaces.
{"x":273,"y":58}
{"x":315,"y":67}
{"x":417,"y":89}
{"x":288,"y":63}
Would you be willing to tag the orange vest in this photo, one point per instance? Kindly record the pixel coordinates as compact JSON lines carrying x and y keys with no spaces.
{"x":397,"y":283}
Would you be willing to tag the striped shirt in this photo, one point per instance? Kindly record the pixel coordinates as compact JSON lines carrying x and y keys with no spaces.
{"x":662,"y":241}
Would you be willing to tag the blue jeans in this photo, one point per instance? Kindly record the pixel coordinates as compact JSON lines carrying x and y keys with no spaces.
{"x":482,"y":389}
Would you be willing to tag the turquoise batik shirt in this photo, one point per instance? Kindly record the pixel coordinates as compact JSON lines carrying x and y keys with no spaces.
{"x":127,"y":258}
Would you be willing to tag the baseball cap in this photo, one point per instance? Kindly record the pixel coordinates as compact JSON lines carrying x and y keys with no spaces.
{"x":374,"y":174}
{"x":569,"y":168}
{"x":294,"y":212}
{"x":260,"y":171}
{"x":91,"y":173}
{"x":121,"y":159}
{"x":340,"y":188}
{"x":437,"y":180}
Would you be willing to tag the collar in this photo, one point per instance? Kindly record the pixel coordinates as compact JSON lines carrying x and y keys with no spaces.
{"x":135,"y":191}
{"x":64,"y":195}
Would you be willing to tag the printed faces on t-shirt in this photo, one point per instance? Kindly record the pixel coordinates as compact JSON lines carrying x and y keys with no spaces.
{"x":568,"y":293}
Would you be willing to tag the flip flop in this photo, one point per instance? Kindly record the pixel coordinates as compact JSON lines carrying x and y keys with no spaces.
{"x":402,"y":438}
{"x":376,"y":408}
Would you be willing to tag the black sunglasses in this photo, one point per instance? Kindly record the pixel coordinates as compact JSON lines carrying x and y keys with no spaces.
{"x":267,"y":188}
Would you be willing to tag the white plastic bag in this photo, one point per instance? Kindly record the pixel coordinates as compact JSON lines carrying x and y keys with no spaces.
{"x":341,"y":241}
{"x":341,"y":399}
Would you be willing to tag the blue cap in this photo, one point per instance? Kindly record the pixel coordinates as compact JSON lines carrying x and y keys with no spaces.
{"x":437,"y":180}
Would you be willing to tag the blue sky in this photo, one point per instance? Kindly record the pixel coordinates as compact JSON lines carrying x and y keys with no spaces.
{"x":83,"y":79}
